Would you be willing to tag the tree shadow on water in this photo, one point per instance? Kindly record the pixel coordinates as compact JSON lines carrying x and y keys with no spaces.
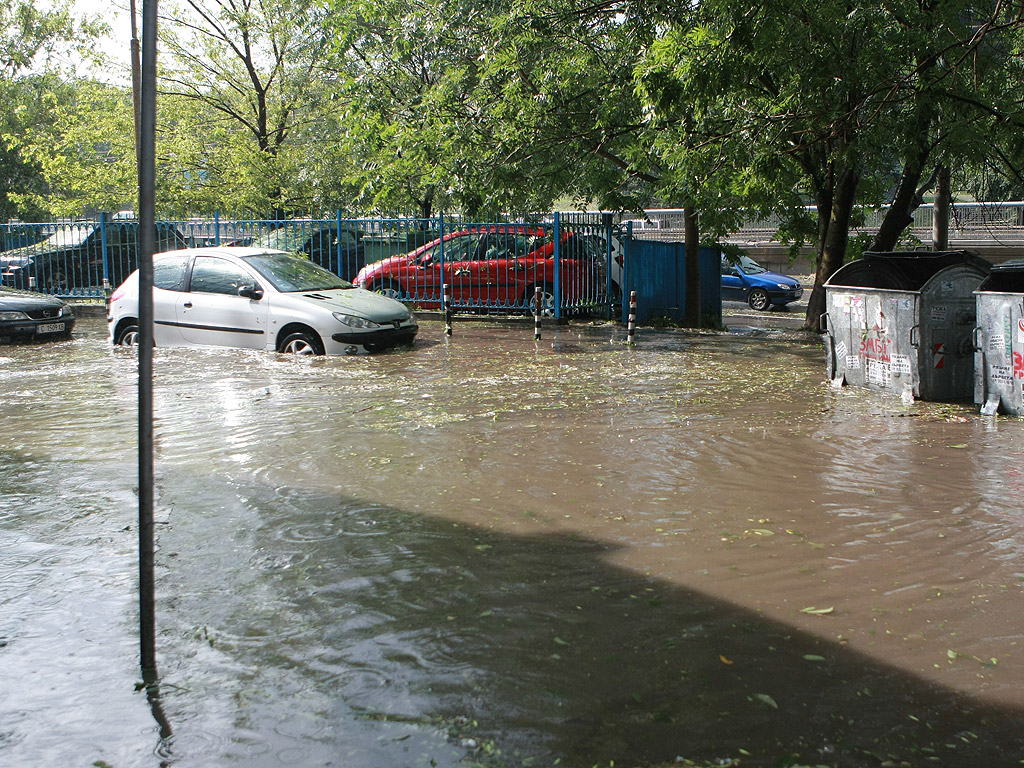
{"x":556,"y":654}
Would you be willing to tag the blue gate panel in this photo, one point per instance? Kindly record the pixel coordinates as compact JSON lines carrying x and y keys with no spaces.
{"x":657,"y":272}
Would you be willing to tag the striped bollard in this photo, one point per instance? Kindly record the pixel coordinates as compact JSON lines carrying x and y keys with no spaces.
{"x":447,"y":291}
{"x":631,"y":326}
{"x":537,"y":308}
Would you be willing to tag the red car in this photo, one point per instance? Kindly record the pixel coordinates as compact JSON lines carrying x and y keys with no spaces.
{"x":498,"y":266}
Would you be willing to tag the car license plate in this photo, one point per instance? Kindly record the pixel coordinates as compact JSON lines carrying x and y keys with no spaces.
{"x":50,"y":328}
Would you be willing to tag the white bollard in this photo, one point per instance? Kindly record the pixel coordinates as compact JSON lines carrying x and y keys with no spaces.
{"x":631,"y":326}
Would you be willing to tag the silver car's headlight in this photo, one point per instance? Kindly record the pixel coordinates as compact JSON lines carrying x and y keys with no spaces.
{"x":354,"y":321}
{"x":13,"y":316}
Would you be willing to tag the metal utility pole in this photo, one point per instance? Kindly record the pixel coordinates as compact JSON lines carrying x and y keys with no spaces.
{"x":147,"y":245}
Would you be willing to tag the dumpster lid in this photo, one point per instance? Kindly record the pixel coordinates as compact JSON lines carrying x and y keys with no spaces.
{"x":1007,"y":277}
{"x":902,"y":270}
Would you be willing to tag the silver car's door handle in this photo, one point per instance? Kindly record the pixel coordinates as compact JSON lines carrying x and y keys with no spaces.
{"x":188,"y":305}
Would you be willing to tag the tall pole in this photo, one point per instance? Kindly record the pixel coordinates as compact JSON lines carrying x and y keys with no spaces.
{"x":147,"y":245}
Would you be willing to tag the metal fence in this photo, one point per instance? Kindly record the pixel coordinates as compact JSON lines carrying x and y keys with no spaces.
{"x":574,"y":259}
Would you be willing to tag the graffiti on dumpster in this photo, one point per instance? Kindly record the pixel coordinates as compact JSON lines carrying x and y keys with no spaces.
{"x":1018,"y":365}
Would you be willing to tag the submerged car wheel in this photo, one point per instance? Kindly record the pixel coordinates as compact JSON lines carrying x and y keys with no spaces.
{"x":128,"y":336}
{"x":301,"y":343}
{"x":56,"y":282}
{"x":547,"y":300}
{"x":758,"y":299}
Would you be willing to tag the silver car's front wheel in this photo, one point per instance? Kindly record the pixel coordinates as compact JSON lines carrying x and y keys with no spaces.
{"x":300,"y":344}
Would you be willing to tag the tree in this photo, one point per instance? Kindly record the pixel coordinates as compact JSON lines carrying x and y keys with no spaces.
{"x":85,"y":151}
{"x":820,"y":101}
{"x":34,"y":50}
{"x":256,"y":72}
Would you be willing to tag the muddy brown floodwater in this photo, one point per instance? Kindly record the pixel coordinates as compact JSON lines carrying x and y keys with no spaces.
{"x":486,"y":550}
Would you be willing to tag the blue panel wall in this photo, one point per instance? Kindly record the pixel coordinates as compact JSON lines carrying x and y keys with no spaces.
{"x":657,"y":272}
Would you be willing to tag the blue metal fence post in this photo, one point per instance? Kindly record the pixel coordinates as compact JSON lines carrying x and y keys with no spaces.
{"x":556,"y":287}
{"x":337,"y":253}
{"x":625,"y":269}
{"x":445,"y":300}
{"x":104,"y":252}
{"x":216,"y":227}
{"x":608,"y":262}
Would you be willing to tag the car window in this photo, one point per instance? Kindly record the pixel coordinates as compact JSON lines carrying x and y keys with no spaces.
{"x":459,"y":248}
{"x":213,"y":275}
{"x":169,"y":273}
{"x":286,"y":238}
{"x":67,"y":236}
{"x":289,"y":273}
{"x":751,"y":267}
{"x":320,"y":242}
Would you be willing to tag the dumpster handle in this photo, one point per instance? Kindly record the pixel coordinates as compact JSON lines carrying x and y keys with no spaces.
{"x":823,"y":322}
{"x":915,"y":336}
{"x":976,"y":339}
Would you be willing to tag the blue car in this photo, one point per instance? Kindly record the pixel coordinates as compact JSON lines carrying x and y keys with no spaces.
{"x":743,"y":279}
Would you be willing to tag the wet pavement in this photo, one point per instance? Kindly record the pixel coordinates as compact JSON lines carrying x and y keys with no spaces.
{"x":487,"y":550}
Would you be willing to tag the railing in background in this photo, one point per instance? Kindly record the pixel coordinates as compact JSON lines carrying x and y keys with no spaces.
{"x":1001,"y":222}
{"x":490,"y":266}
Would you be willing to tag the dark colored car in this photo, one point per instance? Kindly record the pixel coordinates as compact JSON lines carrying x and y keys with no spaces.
{"x":72,"y":259}
{"x":26,"y":316}
{"x":337,"y":250}
{"x":743,"y":279}
{"x":499,"y":267}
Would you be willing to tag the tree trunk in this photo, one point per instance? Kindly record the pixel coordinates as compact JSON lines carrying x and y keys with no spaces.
{"x":832,"y":247}
{"x":940,"y":210}
{"x":693,"y":314}
{"x":900,"y":213}
{"x":908,"y":196}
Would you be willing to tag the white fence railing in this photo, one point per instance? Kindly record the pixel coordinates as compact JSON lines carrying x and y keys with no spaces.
{"x":969,"y":222}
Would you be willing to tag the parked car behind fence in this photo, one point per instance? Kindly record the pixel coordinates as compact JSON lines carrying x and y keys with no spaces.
{"x":496,"y":267}
{"x":82,"y":258}
{"x":338,"y":249}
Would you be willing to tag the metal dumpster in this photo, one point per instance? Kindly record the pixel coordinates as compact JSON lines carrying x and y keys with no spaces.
{"x":903,"y":323}
{"x":999,"y":340}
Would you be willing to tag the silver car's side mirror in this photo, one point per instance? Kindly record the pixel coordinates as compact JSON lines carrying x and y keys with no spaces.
{"x":253,"y":292}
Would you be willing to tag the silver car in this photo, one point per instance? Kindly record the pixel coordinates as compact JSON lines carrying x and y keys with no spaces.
{"x":258,"y":299}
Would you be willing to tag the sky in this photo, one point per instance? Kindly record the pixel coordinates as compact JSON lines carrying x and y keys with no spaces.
{"x":117,"y":46}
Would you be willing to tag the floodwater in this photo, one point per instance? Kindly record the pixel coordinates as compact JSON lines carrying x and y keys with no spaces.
{"x":492,"y":551}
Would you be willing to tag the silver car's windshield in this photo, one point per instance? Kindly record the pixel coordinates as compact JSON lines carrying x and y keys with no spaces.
{"x":290,"y":274}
